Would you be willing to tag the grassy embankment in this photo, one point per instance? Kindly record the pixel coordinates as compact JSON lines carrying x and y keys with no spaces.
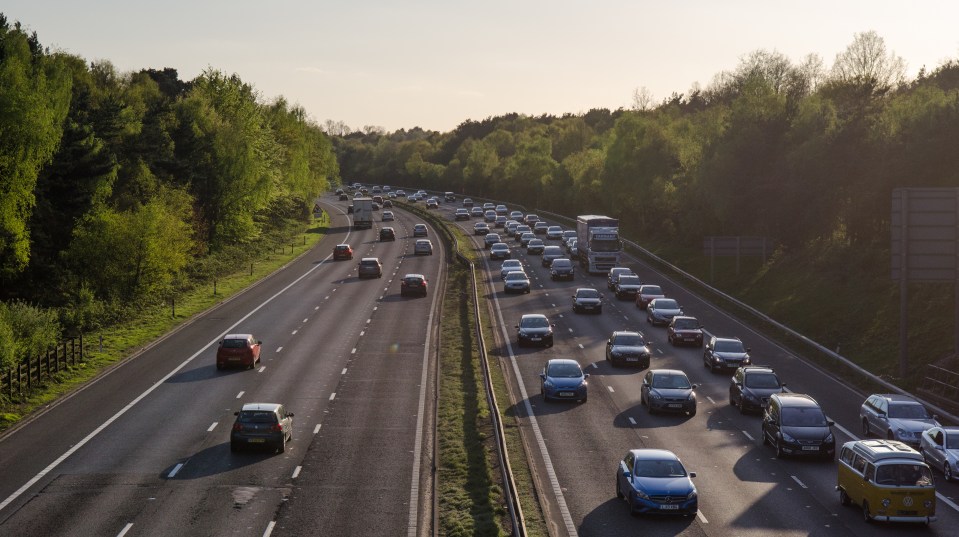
{"x":470,"y":489}
{"x":123,"y":341}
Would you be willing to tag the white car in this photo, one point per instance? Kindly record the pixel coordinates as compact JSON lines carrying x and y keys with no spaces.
{"x":388,"y":216}
{"x":510,"y":265}
{"x":423,"y":247}
{"x":516,"y":281}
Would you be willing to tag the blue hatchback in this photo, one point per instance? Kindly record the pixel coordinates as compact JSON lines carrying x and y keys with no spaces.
{"x":563,"y":379}
{"x":655,"y":481}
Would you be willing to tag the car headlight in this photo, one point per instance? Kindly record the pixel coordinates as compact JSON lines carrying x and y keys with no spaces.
{"x":829,"y":439}
{"x":654,"y":395}
{"x":746,"y":360}
{"x":641,"y":494}
{"x":582,"y":384}
{"x":885,"y":502}
{"x":692,"y":494}
{"x":902,"y":433}
{"x":691,"y":396}
{"x":927,"y":504}
{"x":750,"y":397}
{"x":548,"y":384}
{"x":787,"y":438}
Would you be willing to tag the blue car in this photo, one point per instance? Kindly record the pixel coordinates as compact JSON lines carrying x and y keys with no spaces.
{"x":655,"y":481}
{"x":563,"y":379}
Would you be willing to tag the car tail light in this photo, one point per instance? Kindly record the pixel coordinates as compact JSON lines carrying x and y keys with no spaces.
{"x":278,"y":428}
{"x":237,"y":427}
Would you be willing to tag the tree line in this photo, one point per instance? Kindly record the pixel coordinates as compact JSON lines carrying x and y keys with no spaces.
{"x":116,"y":189}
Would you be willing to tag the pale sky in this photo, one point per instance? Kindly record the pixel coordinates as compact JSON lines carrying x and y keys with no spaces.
{"x":435,"y":64}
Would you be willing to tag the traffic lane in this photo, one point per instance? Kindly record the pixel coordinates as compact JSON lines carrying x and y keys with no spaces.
{"x":136,"y":433}
{"x":29,"y":449}
{"x":373,"y":418}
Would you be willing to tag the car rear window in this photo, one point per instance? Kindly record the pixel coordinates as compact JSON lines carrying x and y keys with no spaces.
{"x":762,"y":381}
{"x":256,"y":416}
{"x":234,"y":343}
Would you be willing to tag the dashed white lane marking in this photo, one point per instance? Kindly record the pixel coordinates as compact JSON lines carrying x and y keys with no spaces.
{"x":796,"y":479}
{"x":353,"y":351}
{"x":570,"y":330}
{"x":316,"y":308}
{"x":749,"y":436}
{"x":316,"y":429}
{"x":174,"y":471}
{"x":332,"y":396}
{"x":701,"y":517}
{"x":547,"y":294}
{"x":269,"y":528}
{"x":631,"y":420}
{"x":362,"y":333}
{"x":305,"y":320}
{"x":595,"y":366}
{"x":626,"y":317}
{"x":125,"y":529}
{"x":710,"y":399}
{"x":582,"y":347}
{"x":278,"y":349}
{"x":293,"y":333}
{"x":343,"y":372}
{"x":375,"y":308}
{"x":554,"y":305}
{"x":211,"y":427}
{"x":296,"y":472}
{"x":368,"y":321}
{"x":327,"y":297}
{"x":660,"y":351}
{"x":560,"y":315}
{"x":610,"y":388}
{"x":262,"y":369}
{"x":239,"y":395}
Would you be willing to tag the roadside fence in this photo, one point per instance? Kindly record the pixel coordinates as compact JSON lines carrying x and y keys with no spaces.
{"x":31,"y":373}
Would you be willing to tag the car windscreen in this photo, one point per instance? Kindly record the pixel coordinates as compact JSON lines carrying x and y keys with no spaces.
{"x":676,"y":382}
{"x":628,"y":280}
{"x":256,"y":416}
{"x":908,"y":411}
{"x":659,"y":469}
{"x":587,"y":293}
{"x":904,"y":475}
{"x":234,"y":343}
{"x":729,"y":346}
{"x":762,"y":381}
{"x":553,"y":250}
{"x":568,"y":371}
{"x":666,"y":304}
{"x":516,"y":275}
{"x":629,"y":340}
{"x":686,"y":324}
{"x":803,"y":417}
{"x":534,"y":322}
{"x":651,"y":290}
{"x":562,"y":263}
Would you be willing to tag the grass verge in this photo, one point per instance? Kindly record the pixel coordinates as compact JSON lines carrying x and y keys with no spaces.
{"x":123,"y":341}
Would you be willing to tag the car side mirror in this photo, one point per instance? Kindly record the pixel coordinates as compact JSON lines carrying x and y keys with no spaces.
{"x":542,"y":376}
{"x":783,"y":384}
{"x":830,"y":423}
{"x":627,"y":474}
{"x":748,"y":349}
{"x":586,"y":375}
{"x":258,"y":342}
{"x":236,"y":413}
{"x":289,"y":414}
{"x":517,"y":327}
{"x":695,"y":386}
{"x":692,"y":474}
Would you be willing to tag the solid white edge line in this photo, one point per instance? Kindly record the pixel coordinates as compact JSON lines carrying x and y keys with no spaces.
{"x":211,"y":427}
{"x":749,"y":436}
{"x":801,"y":484}
{"x":296,"y":472}
{"x":73,"y":449}
{"x":269,"y":528}
{"x":174,"y":470}
{"x":125,"y":529}
{"x":316,"y":429}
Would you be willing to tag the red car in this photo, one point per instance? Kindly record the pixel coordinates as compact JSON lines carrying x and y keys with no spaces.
{"x":685,"y":330}
{"x":342,"y":251}
{"x":238,"y":350}
{"x":646,"y":294}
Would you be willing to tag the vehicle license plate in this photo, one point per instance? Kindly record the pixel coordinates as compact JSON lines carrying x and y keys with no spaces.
{"x":675,"y":405}
{"x":256,"y":440}
{"x":535,"y":339}
{"x":689,"y":339}
{"x":669,"y":506}
{"x":810,"y":448}
{"x":234,"y":359}
{"x":632,"y":358}
{"x":565,"y":394}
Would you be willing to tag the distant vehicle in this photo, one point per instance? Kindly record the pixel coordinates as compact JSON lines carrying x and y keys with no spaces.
{"x":401,"y":193}
{"x":449,"y":196}
{"x":627,"y":286}
{"x":387,"y":216}
{"x":568,"y":234}
{"x":467,"y":202}
{"x":627,"y":348}
{"x":500,"y":210}
{"x":490,"y":216}
{"x":648,"y":293}
{"x":510,"y":227}
{"x":500,"y":250}
{"x":550,"y":253}
{"x":613,"y":276}
{"x":489,"y":207}
{"x":461,"y":214}
{"x":413,"y":284}
{"x":432,"y":203}
{"x":490,"y":239}
{"x":940,"y":447}
{"x":388,"y":204}
{"x":554,"y":233}
{"x":342,"y":251}
{"x":375,"y":206}
{"x":534,"y":329}
{"x":387,"y":234}
{"x":796,"y":425}
{"x":510,"y":265}
{"x":238,"y":350}
{"x":752,"y":385}
{"x":476,"y":212}
{"x":561,"y":269}
{"x":668,"y":390}
{"x":525,"y":238}
{"x":535,"y":247}
{"x":500,"y":221}
{"x":540,"y":228}
{"x":262,"y":425}
{"x":362,"y":213}
{"x":423,"y":247}
{"x":419,"y":230}
{"x":644,"y":475}
{"x":370,"y":267}
{"x":530,"y":219}
{"x":597,"y":242}
{"x":895,"y":417}
{"x":563,"y":378}
{"x":480,"y":228}
{"x":587,"y":299}
{"x":520,"y":230}
{"x":684,"y":330}
{"x":662,"y":310}
{"x":724,"y":353}
{"x":344,"y":197}
{"x":516,"y":282}
{"x":516,"y":215}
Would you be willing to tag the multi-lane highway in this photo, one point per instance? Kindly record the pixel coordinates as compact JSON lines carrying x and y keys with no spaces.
{"x":743,"y":488}
{"x":145,"y":450}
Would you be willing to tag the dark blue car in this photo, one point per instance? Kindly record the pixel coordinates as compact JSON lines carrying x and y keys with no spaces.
{"x":563,"y":378}
{"x":655,"y":481}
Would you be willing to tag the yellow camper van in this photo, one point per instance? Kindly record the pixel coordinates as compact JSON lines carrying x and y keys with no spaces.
{"x":888,"y":479}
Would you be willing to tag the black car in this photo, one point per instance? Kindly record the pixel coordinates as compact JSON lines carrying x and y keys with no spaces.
{"x":534,"y":329}
{"x":684,"y":330}
{"x":725,"y":353}
{"x":627,"y":348}
{"x":587,"y":299}
{"x":387,"y":234}
{"x":796,"y":425}
{"x":344,"y":197}
{"x":550,"y":253}
{"x":561,"y":269}
{"x":752,"y":385}
{"x":262,"y":425}
{"x":626,"y":287}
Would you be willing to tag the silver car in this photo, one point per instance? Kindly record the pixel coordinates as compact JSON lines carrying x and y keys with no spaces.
{"x":423,"y":247}
{"x":516,"y":282}
{"x":510,"y":265}
{"x":940,"y":447}
{"x":895,"y":417}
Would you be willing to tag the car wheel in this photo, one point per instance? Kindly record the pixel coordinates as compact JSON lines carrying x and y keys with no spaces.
{"x":779,"y":449}
{"x":648,"y":320}
{"x":550,"y":344}
{"x":865,"y":427}
{"x":282,"y":447}
{"x":649,"y":408}
{"x":692,"y":412}
{"x":765,"y":438}
{"x":732,"y":401}
{"x":619,"y":493}
{"x":219,"y":365}
{"x":583,"y":400}
{"x":843,"y":497}
{"x":947,"y":471}
{"x":866,"y":515}
{"x":234,"y":447}
{"x":671,"y":341}
{"x":519,"y":343}
{"x":742,"y":407}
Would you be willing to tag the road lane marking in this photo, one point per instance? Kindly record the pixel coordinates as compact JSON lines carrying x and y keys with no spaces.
{"x":305,"y":320}
{"x":315,"y":308}
{"x":327,"y":297}
{"x":343,"y":372}
{"x":610,"y":388}
{"x":293,"y":333}
{"x":296,"y":472}
{"x":362,"y":333}
{"x":316,"y":429}
{"x":174,"y":470}
{"x":332,"y":396}
{"x":368,"y":321}
{"x":125,"y":529}
{"x":278,"y":349}
{"x":211,"y":427}
{"x":570,"y":330}
{"x":702,"y":517}
{"x":353,"y":351}
{"x":660,"y":351}
{"x":710,"y":399}
{"x":239,"y":395}
{"x":375,"y":308}
{"x":554,"y":305}
{"x":582,"y":347}
{"x":631,"y":420}
{"x":749,"y":436}
{"x":801,"y":484}
{"x":269,"y":529}
{"x":262,"y":368}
